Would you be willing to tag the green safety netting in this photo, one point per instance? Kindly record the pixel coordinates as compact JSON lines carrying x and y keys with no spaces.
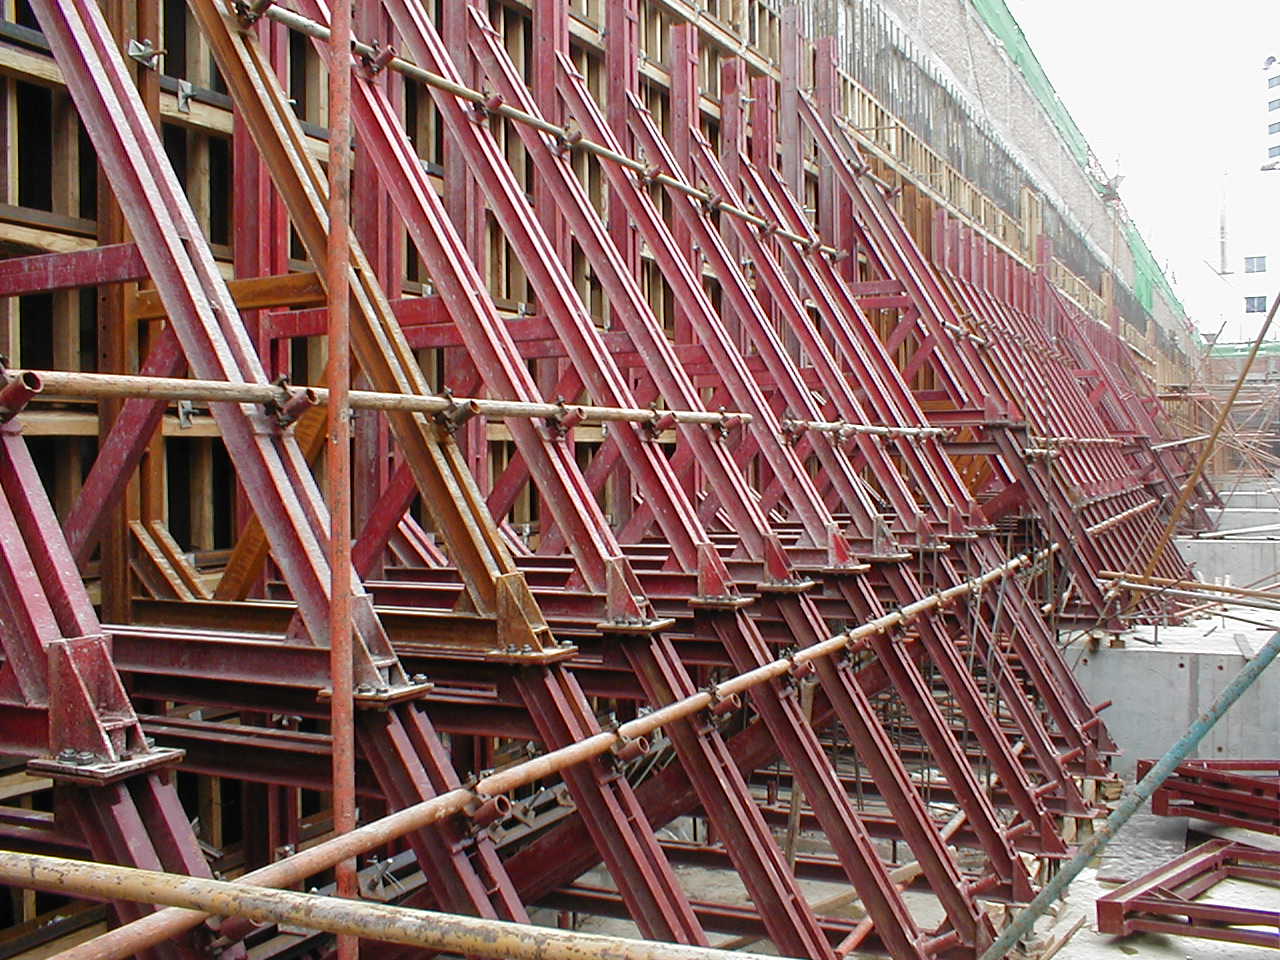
{"x":1001,"y":22}
{"x":1147,"y":273}
{"x":1148,"y":277}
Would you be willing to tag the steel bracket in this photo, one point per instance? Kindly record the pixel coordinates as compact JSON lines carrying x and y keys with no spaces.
{"x":89,"y":770}
{"x":381,"y":698}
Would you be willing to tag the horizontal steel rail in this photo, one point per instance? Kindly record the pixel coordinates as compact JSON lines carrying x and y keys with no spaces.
{"x":1172,"y":899}
{"x":1238,"y":793}
{"x":96,"y":386}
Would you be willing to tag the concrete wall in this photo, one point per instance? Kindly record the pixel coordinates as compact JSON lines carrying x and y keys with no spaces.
{"x":1244,"y":561}
{"x":1239,"y":517}
{"x":1158,"y":693}
{"x":1267,"y":499}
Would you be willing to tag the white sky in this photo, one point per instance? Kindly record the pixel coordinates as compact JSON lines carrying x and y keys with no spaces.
{"x":1172,"y":95}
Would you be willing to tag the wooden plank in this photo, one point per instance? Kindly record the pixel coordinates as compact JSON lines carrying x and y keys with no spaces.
{"x":152,"y":567}
{"x":10,"y":341}
{"x":77,"y":423}
{"x":200,"y":465}
{"x":252,"y":293}
{"x":66,"y":303}
{"x":22,"y":784}
{"x":44,"y":241}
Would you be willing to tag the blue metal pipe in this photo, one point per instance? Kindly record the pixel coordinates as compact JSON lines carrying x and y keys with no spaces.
{"x":1023,"y":922}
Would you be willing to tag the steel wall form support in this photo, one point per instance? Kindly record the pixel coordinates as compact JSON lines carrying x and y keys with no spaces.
{"x":734,"y":537}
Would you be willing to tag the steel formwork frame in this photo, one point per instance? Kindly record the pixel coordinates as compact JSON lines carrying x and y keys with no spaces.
{"x":771,"y":583}
{"x":1169,"y":899}
{"x":1236,"y":793}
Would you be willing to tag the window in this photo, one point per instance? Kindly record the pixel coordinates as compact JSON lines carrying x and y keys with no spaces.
{"x":1274,"y":81}
{"x":1273,"y":151}
{"x":1274,"y":105}
{"x":1255,"y":264}
{"x":1273,"y":128}
{"x":1255,"y":304}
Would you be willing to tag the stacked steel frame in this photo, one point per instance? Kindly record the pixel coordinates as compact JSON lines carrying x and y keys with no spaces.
{"x":1170,"y":899}
{"x":815,"y":539}
{"x":1177,"y":897}
{"x":1235,"y":793}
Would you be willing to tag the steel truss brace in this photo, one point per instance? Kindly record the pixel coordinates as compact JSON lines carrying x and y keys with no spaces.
{"x":502,"y":197}
{"x":607,"y":800}
{"x":1055,"y":401}
{"x":492,"y":56}
{"x":838,"y":307}
{"x":766,"y":267}
{"x":207,"y":324}
{"x":902,"y":245}
{"x":966,"y":375}
{"x":547,"y":160}
{"x":673,"y":923}
{"x":204,"y":317}
{"x":768,"y":347}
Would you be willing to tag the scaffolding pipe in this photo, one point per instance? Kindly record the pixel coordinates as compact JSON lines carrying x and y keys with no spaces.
{"x":1191,"y":584}
{"x":844,"y":428}
{"x":94,"y":386}
{"x":342,"y":719}
{"x":1185,"y":441}
{"x":1127,"y":807}
{"x":425,"y":929}
{"x":1220,"y":600}
{"x":1120,"y":518}
{"x":1079,"y":441}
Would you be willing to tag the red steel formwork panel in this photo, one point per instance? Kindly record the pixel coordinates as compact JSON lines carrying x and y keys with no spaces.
{"x":1169,"y":900}
{"x":1237,"y":793}
{"x":801,"y":555}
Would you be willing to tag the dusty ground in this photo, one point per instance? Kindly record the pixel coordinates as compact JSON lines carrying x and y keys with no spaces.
{"x":1146,"y":842}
